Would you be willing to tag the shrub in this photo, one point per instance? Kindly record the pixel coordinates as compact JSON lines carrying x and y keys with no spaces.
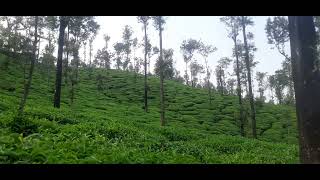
{"x":23,"y":125}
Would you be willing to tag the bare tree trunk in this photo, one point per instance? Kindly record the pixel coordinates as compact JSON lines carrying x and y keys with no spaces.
{"x":27,"y":85}
{"x":127,"y":65}
{"x":48,"y":63}
{"x":90,"y":52}
{"x":191,"y":78}
{"x":246,"y":87}
{"x":161,"y":81}
{"x":63,"y":24}
{"x":38,"y":54}
{"x":221,"y":82}
{"x":187,"y":83}
{"x":224,"y":87}
{"x":209,"y":91}
{"x":77,"y":58}
{"x":239,"y":88}
{"x":74,"y":76}
{"x":208,"y":80}
{"x":66,"y":68}
{"x":145,"y":70}
{"x":306,"y":78}
{"x":149,"y":59}
{"x":253,"y":113}
{"x":84,"y":52}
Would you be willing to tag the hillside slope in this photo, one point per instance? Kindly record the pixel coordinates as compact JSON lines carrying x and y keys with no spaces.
{"x":110,"y":126}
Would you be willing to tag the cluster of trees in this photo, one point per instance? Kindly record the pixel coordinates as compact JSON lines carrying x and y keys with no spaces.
{"x":21,"y":35}
{"x":243,"y":54}
{"x":278,"y":35}
{"x":24,"y":35}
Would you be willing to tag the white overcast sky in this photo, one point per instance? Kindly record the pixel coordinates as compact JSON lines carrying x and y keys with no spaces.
{"x":178,"y":28}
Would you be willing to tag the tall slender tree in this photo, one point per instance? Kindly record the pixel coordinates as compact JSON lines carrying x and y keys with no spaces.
{"x":63,"y":24}
{"x":246,"y":21}
{"x":158,"y":22}
{"x":90,"y":50}
{"x":81,"y":29}
{"x":66,"y":50}
{"x":144,"y":20}
{"x":135,"y":45}
{"x":233,"y":27}
{"x":205,"y":51}
{"x":27,"y":85}
{"x":127,"y":42}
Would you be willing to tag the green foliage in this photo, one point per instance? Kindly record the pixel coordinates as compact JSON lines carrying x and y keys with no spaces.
{"x":23,"y":125}
{"x":165,"y":66}
{"x":113,"y":128}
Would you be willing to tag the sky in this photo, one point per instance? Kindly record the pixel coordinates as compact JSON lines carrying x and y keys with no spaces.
{"x":208,"y":29}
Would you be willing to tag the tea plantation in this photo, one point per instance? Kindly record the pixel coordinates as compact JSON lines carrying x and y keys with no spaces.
{"x":110,"y":126}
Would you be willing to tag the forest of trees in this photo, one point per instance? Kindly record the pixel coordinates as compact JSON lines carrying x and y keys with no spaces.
{"x":67,"y":35}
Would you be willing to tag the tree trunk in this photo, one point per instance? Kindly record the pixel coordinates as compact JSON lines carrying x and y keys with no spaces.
{"x":67,"y":57}
{"x":84,"y":52}
{"x":90,"y":52}
{"x":224,"y":85}
{"x":27,"y":85}
{"x":187,"y":74}
{"x":63,"y":24}
{"x":253,"y":113}
{"x":77,"y":58}
{"x":145,"y":70}
{"x":209,"y":91}
{"x":208,"y":80}
{"x":74,"y":76}
{"x":127,"y":65}
{"x":48,"y":62}
{"x":306,"y":78}
{"x":239,"y":88}
{"x":38,"y":54}
{"x":149,"y":65}
{"x":221,"y":82}
{"x":191,"y":77}
{"x":161,"y":81}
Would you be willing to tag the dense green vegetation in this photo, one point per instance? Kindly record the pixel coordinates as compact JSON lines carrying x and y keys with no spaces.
{"x":109,"y":125}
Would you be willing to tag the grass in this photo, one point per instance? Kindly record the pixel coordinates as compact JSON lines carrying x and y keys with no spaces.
{"x":110,"y":126}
